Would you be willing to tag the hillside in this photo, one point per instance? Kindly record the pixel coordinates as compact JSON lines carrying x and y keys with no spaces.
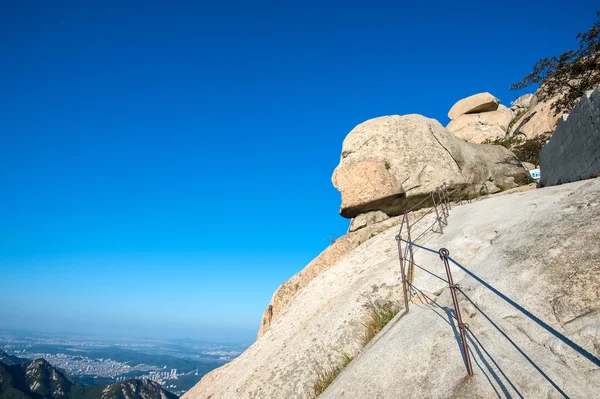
{"x":38,"y":379}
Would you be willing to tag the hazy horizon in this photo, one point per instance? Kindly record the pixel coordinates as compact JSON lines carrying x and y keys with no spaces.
{"x":117,"y":338}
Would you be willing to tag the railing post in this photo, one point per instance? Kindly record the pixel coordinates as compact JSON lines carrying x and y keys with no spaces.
{"x":402,"y":271}
{"x":447,"y":198}
{"x":437,"y":214}
{"x":410,"y":274}
{"x":441,"y":199}
{"x":444,"y":253}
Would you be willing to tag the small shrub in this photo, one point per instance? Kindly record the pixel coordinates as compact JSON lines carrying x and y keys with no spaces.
{"x":379,"y":314}
{"x":529,"y":150}
{"x":506,"y":142}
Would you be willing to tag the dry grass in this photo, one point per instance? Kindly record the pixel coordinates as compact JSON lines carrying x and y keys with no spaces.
{"x":324,"y":379}
{"x":326,"y":375}
{"x":379,"y":314}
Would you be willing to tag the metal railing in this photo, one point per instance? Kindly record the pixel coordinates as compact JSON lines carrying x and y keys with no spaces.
{"x":441,"y":207}
{"x":440,"y":201}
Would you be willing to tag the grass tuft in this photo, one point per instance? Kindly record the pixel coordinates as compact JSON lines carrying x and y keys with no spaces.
{"x":379,"y":314}
{"x":326,"y":375}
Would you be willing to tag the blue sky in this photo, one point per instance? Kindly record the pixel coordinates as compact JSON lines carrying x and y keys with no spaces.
{"x":166,"y":165}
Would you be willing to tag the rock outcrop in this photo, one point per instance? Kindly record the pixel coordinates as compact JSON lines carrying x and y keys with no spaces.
{"x":532,"y":246}
{"x":476,"y":128}
{"x":392,"y":162}
{"x":482,"y":102}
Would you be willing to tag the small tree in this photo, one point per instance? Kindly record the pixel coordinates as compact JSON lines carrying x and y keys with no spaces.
{"x":569,"y":75}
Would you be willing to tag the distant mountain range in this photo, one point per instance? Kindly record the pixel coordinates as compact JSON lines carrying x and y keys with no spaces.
{"x":24,"y":379}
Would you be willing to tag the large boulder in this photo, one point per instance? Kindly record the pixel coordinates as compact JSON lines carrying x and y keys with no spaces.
{"x":476,"y":128}
{"x":482,"y":102}
{"x":392,"y":162}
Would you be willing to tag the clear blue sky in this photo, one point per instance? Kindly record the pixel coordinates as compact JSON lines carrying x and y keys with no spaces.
{"x":164,"y":167}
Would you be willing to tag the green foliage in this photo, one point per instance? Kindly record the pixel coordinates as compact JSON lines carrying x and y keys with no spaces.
{"x":529,"y":150}
{"x":506,"y":142}
{"x":569,"y":75}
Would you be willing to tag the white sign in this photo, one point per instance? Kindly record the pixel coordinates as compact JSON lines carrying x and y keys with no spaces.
{"x":535,"y":174}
